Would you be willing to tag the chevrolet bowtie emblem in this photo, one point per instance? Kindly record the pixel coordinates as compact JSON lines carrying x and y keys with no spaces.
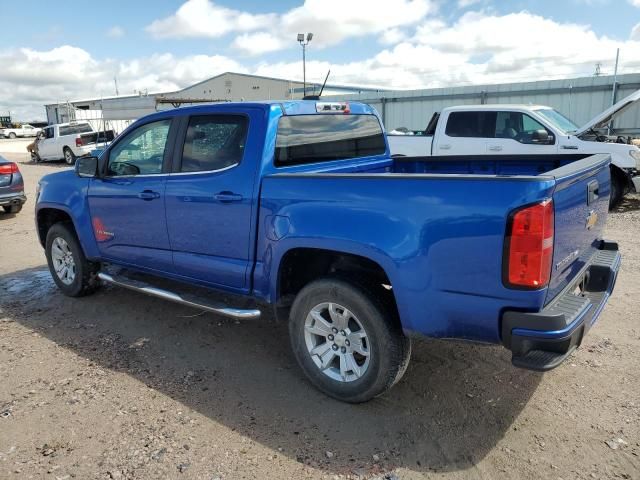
{"x":592,"y":219}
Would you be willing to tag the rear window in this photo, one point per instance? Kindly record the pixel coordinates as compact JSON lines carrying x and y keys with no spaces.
{"x":471,"y":124}
{"x":322,"y":138}
{"x":75,"y":129}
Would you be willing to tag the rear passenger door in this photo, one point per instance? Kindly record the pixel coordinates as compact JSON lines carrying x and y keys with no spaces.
{"x":465,"y":133}
{"x":209,"y":199}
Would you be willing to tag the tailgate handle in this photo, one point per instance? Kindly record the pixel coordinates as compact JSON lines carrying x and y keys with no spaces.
{"x":593,"y":190}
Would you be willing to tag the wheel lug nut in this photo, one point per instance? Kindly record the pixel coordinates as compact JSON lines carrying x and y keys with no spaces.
{"x":343,"y":350}
{"x":334,"y":346}
{"x":343,"y":333}
{"x":330,"y":337}
{"x":347,"y":343}
{"x":334,"y":330}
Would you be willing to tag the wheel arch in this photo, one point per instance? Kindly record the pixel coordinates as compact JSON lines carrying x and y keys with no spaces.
{"x":47,"y":217}
{"x":300,"y":265}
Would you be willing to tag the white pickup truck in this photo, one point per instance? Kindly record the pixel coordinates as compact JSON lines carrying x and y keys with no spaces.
{"x":70,"y":140}
{"x":526,"y":130}
{"x":24,"y":130}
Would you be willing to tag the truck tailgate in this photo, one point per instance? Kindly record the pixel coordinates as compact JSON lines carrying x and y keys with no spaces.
{"x":581,"y":202}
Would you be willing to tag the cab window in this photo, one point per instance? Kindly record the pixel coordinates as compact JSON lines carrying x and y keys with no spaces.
{"x":214,"y":142}
{"x":518,"y":126}
{"x":141,"y":152}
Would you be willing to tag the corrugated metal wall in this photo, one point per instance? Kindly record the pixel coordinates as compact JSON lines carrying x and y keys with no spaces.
{"x":579,"y":99}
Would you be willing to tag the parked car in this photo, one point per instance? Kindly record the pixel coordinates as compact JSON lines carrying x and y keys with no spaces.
{"x":528,"y":130}
{"x":298,"y":207}
{"x":24,"y":130}
{"x":12,"y":195}
{"x":70,"y":140}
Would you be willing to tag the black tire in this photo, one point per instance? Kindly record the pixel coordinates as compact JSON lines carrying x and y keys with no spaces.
{"x":12,"y":208}
{"x":617,"y":188}
{"x":12,"y":135}
{"x":69,"y":156}
{"x":389,"y":349}
{"x":85,"y":280}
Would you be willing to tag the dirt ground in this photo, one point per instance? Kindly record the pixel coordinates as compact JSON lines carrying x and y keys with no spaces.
{"x":122,"y":386}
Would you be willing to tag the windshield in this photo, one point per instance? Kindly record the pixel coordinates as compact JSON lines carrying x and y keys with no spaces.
{"x":558,"y":120}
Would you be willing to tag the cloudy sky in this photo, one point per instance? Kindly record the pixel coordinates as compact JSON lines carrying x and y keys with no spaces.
{"x":58,"y":51}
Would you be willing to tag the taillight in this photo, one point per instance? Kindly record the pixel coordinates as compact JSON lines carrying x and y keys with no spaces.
{"x":78,"y":142}
{"x":529,"y":246}
{"x":8,"y":168}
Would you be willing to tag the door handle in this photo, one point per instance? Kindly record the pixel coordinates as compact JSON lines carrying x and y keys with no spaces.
{"x":227,"y":197}
{"x":445,"y":147}
{"x":148,"y":195}
{"x":495,"y":148}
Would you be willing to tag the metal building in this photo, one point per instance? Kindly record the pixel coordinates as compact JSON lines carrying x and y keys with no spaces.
{"x":580,"y":99}
{"x":117,"y":112}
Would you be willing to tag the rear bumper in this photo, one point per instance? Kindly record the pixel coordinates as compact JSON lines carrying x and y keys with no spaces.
{"x":543,"y":340}
{"x":17,"y":199}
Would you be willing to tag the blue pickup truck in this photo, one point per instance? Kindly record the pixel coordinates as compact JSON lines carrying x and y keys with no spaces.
{"x":297,"y":206}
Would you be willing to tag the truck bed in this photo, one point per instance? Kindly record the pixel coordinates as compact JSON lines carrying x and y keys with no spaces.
{"x":454,"y":264}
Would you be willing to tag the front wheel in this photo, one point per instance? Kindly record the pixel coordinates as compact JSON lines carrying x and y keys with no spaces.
{"x":617,"y":188}
{"x":69,"y":156}
{"x":12,"y":135}
{"x":74,"y":275}
{"x":348,"y":342}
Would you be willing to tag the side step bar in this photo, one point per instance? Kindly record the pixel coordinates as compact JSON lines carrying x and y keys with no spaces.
{"x":191,"y":301}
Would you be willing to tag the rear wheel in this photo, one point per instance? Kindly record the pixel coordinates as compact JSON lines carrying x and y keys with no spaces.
{"x":12,"y":208}
{"x":12,"y":135}
{"x":69,"y":156}
{"x":70,"y":269}
{"x":348,"y":343}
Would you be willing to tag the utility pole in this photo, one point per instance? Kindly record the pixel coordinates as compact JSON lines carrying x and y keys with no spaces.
{"x":301,"y":40}
{"x":613,"y":89}
{"x":115,"y":80}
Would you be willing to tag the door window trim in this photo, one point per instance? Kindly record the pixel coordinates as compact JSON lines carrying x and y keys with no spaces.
{"x":181,"y":138}
{"x":166,"y":158}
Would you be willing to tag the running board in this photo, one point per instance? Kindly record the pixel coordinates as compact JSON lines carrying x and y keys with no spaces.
{"x":189,"y":300}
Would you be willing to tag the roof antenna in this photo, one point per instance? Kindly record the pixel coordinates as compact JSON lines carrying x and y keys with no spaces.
{"x":317,"y":97}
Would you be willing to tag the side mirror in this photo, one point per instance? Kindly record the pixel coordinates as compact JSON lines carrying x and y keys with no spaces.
{"x":87,"y":167}
{"x":541,"y":136}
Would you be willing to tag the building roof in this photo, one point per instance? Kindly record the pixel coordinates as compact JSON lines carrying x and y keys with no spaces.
{"x":355,"y":88}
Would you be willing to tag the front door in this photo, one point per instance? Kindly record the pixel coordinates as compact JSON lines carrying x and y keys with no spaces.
{"x":127,"y":204}
{"x":209,"y":200}
{"x":517,"y":133}
{"x":46,"y":144}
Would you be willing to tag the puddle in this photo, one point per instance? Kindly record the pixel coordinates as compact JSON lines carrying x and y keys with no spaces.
{"x":29,"y":285}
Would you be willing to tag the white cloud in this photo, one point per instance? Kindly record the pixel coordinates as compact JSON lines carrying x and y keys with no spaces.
{"x":635,"y":3}
{"x":258,"y":43}
{"x":29,"y":79}
{"x":393,"y":36}
{"x":203,"y":18}
{"x":331,"y":21}
{"x":115,"y":32}
{"x":635,"y":33}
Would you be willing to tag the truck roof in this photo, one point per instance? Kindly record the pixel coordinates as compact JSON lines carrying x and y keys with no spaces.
{"x":496,"y":106}
{"x":79,"y":122}
{"x":290,"y":107}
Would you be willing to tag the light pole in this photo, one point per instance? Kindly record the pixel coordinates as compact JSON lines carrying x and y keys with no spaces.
{"x":301,"y":39}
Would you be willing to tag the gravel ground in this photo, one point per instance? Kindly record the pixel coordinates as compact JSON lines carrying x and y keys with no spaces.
{"x":122,"y":386}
